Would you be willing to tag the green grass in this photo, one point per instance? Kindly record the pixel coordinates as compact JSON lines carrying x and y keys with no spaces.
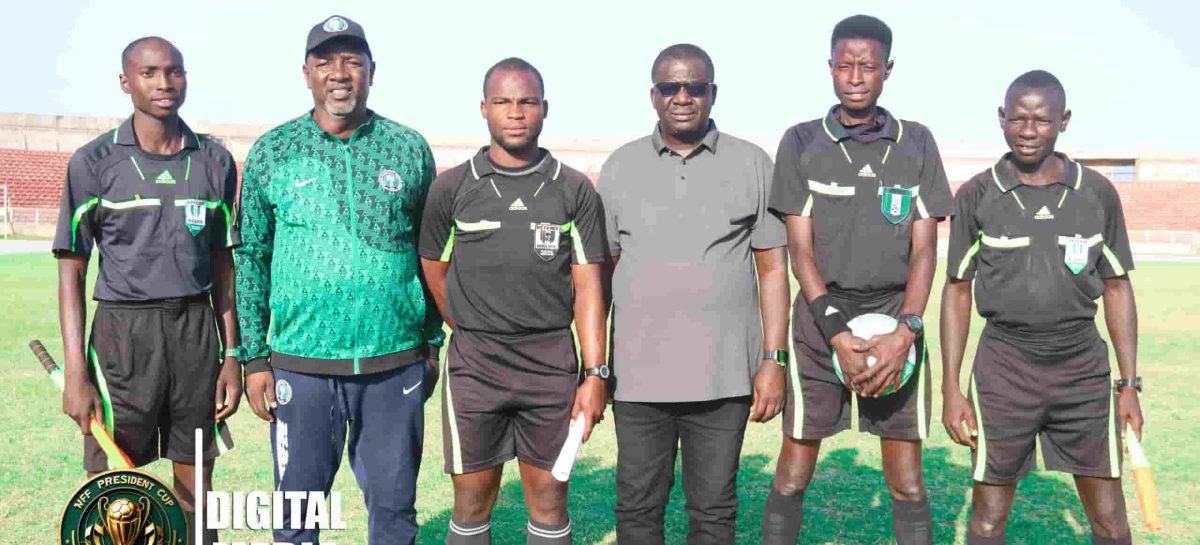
{"x":846,"y":504}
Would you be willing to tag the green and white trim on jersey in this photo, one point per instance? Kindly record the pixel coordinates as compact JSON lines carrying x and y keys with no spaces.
{"x":489,"y":225}
{"x":576,"y":242}
{"x":1003,"y":241}
{"x":476,"y":226}
{"x":139,"y":202}
{"x":77,"y":216}
{"x":831,"y":189}
{"x":165,"y":177}
{"x":1061,"y":200}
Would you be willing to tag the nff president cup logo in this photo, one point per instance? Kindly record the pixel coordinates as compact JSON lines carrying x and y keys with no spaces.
{"x":124,"y":508}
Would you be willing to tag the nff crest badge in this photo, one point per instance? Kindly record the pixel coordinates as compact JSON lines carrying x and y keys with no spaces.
{"x":391,"y":181}
{"x":194,"y":216}
{"x":1075,"y":255}
{"x":545,"y":239}
{"x":895,"y":203}
{"x":335,"y":24}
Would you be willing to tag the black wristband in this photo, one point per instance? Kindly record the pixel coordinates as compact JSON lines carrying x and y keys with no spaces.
{"x":830,"y":319}
{"x":256,"y":365}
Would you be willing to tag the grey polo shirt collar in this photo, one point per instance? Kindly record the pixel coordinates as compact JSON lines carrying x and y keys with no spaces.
{"x":126,"y":137}
{"x":837,"y":132}
{"x":1072,"y":176}
{"x":709,"y":141}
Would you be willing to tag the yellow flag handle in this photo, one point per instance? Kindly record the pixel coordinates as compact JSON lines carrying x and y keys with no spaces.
{"x":1143,"y":479}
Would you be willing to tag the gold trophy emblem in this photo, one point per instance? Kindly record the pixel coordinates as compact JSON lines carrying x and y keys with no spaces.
{"x":123,"y":522}
{"x":124,"y":508}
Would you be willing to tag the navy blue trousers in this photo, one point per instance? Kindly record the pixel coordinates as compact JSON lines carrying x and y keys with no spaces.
{"x":378,"y":419}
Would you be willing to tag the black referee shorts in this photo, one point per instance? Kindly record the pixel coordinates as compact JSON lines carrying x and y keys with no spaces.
{"x":818,"y":402}
{"x":505,"y":397}
{"x":1058,"y":393}
{"x":155,"y":365}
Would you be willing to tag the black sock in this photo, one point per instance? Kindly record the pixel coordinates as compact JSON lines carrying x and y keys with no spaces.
{"x":1127,"y":539}
{"x":912,"y":522}
{"x":782,"y":518}
{"x":548,"y":534}
{"x":473,"y":533}
{"x":976,"y":539}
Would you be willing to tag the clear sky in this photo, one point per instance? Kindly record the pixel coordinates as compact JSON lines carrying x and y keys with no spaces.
{"x":1131,"y":69}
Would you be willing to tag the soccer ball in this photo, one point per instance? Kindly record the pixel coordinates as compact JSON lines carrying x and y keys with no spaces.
{"x":866,"y":326}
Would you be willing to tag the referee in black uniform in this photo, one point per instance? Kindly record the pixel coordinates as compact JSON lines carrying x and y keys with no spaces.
{"x":862,"y":191}
{"x":1041,"y":238}
{"x":155,"y":199}
{"x":511,"y":243}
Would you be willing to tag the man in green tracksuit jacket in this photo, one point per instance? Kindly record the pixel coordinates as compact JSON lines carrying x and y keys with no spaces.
{"x":331,"y":205}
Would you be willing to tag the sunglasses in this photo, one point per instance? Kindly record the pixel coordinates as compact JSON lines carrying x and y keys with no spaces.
{"x":671,"y":88}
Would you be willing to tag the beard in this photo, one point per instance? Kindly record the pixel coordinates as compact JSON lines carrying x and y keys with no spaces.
{"x":341,"y":107}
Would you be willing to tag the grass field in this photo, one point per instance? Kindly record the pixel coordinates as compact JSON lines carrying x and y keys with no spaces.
{"x":846,"y":504}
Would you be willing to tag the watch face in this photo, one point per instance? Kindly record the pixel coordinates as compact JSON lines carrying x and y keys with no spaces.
{"x":914,"y":323}
{"x":604,"y":371}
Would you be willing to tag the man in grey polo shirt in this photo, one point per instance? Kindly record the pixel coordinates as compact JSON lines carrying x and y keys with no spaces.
{"x":698,"y":340}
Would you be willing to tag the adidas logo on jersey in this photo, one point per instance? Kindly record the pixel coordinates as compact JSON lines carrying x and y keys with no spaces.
{"x":517,"y":205}
{"x":165,"y":178}
{"x":1043,"y":214}
{"x":866,"y":171}
{"x":830,"y":311}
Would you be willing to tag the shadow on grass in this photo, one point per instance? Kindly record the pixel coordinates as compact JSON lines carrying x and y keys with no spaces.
{"x":847,"y":502}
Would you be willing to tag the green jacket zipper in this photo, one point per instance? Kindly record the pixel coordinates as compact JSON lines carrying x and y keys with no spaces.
{"x":353,"y":246}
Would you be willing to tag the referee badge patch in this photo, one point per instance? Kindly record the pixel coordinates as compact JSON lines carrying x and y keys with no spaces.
{"x":545,"y":239}
{"x":1075,"y":255}
{"x":895,"y":202}
{"x":194,"y":216}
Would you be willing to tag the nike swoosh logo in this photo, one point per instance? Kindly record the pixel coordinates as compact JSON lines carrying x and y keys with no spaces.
{"x":411,"y":388}
{"x":302,"y":183}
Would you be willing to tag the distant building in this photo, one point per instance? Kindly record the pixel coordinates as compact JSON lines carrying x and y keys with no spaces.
{"x":1161,"y":195}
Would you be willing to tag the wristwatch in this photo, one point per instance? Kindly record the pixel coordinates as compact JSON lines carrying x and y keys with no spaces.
{"x":1122,"y":383}
{"x":601,"y":371}
{"x":235,"y":353}
{"x":913,"y":323}
{"x":782,"y":357}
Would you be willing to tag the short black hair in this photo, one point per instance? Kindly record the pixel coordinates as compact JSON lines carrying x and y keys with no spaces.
{"x":514,"y":63}
{"x":1039,"y":80}
{"x":863,"y":27}
{"x":129,"y":49}
{"x":684,"y":52}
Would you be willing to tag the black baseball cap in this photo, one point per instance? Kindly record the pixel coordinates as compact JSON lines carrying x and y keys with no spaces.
{"x":333,"y":28}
